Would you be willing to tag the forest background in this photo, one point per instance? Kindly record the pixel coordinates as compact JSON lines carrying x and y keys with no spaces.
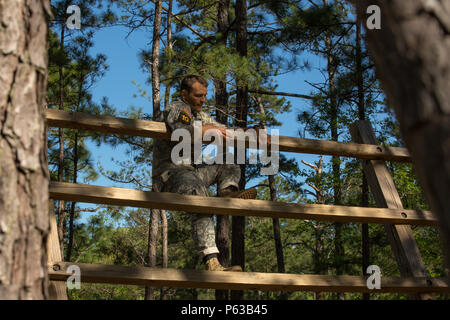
{"x":298,"y":66}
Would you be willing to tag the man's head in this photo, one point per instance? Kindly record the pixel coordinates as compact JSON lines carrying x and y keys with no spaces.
{"x":193,"y":91}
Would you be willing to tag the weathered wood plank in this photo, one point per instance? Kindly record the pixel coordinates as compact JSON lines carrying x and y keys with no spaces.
{"x":151,"y":129}
{"x":238,"y":207}
{"x":56,"y":290}
{"x":144,"y":276}
{"x":333,"y":148}
{"x":385,"y":193}
{"x":106,"y":124}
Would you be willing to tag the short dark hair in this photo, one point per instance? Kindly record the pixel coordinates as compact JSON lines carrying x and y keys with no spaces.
{"x":189,"y":80}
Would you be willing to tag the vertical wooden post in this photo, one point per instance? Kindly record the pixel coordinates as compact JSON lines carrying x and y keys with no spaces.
{"x":56,"y":289}
{"x":383,"y":189}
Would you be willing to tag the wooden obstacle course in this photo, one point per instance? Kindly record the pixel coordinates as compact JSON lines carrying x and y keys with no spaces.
{"x":151,"y":129}
{"x":414,"y":279}
{"x":235,"y":207}
{"x":382,"y":186}
{"x":145,"y":276}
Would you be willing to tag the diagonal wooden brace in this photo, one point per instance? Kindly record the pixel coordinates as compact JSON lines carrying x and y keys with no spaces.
{"x":56,"y":290}
{"x":382,"y":186}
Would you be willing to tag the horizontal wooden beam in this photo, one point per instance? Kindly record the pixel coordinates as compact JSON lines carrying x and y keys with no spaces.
{"x":352,"y":150}
{"x":235,"y":207}
{"x":144,"y":276}
{"x":151,"y":129}
{"x":106,"y":124}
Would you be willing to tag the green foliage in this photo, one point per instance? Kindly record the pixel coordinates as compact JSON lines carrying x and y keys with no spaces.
{"x":278,"y":32}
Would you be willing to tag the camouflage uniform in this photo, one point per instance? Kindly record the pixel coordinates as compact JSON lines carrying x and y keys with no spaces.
{"x":191,"y":179}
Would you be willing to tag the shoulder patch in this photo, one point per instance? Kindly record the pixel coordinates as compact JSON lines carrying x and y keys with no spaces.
{"x":187,"y":112}
{"x":185,"y":118}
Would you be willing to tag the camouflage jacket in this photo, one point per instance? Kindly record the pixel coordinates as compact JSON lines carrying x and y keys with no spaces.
{"x":176,"y":115}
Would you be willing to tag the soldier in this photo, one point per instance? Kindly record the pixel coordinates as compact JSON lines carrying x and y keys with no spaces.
{"x":194,"y":179}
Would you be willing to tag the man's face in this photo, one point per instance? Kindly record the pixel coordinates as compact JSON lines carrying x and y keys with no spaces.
{"x":196,"y":97}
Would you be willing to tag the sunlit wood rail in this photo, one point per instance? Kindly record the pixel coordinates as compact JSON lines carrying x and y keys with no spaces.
{"x":237,"y":207}
{"x":152,"y":129}
{"x":144,"y":276}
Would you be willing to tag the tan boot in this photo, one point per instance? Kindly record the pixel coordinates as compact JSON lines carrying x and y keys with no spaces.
{"x":213,"y":264}
{"x":243,"y":194}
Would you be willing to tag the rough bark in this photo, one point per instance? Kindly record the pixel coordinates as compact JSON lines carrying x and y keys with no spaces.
{"x":411,"y":57}
{"x":24,"y":219}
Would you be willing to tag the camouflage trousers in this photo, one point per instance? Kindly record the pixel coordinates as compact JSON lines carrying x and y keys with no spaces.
{"x":195,"y":181}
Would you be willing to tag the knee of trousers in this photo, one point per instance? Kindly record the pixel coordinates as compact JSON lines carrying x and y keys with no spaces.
{"x":188,"y":188}
{"x":230,"y":176}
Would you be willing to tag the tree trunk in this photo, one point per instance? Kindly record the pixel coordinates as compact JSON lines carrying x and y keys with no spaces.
{"x":336,"y":162}
{"x":318,"y":253}
{"x":170,"y":47}
{"x":275,"y":221}
{"x":166,"y":102}
{"x":416,"y":80}
{"x":276,"y":229}
{"x":238,"y":223}
{"x":24,"y":219}
{"x":318,"y":226}
{"x":223,"y":221}
{"x":277,"y":236}
{"x":75,"y":172}
{"x":152,"y":245}
{"x":365,"y":248}
{"x":154,"y":216}
{"x":164,"y":249}
{"x":61,"y":138}
{"x":72,"y":207}
{"x":155,"y":58}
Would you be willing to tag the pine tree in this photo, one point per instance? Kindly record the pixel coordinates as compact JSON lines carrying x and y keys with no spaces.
{"x":24,"y":219}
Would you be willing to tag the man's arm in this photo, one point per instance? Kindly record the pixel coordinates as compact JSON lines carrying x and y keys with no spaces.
{"x":176,"y":118}
{"x":208,"y":123}
{"x":227,"y":134}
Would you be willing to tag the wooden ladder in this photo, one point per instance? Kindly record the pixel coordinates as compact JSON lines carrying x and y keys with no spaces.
{"x":413,"y":278}
{"x":383,"y":189}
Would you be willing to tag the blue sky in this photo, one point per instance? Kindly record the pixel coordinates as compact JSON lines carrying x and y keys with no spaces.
{"x":124,"y":69}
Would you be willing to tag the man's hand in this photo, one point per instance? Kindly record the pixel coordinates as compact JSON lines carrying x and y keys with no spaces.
{"x":261,"y":134}
{"x":222,"y":131}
